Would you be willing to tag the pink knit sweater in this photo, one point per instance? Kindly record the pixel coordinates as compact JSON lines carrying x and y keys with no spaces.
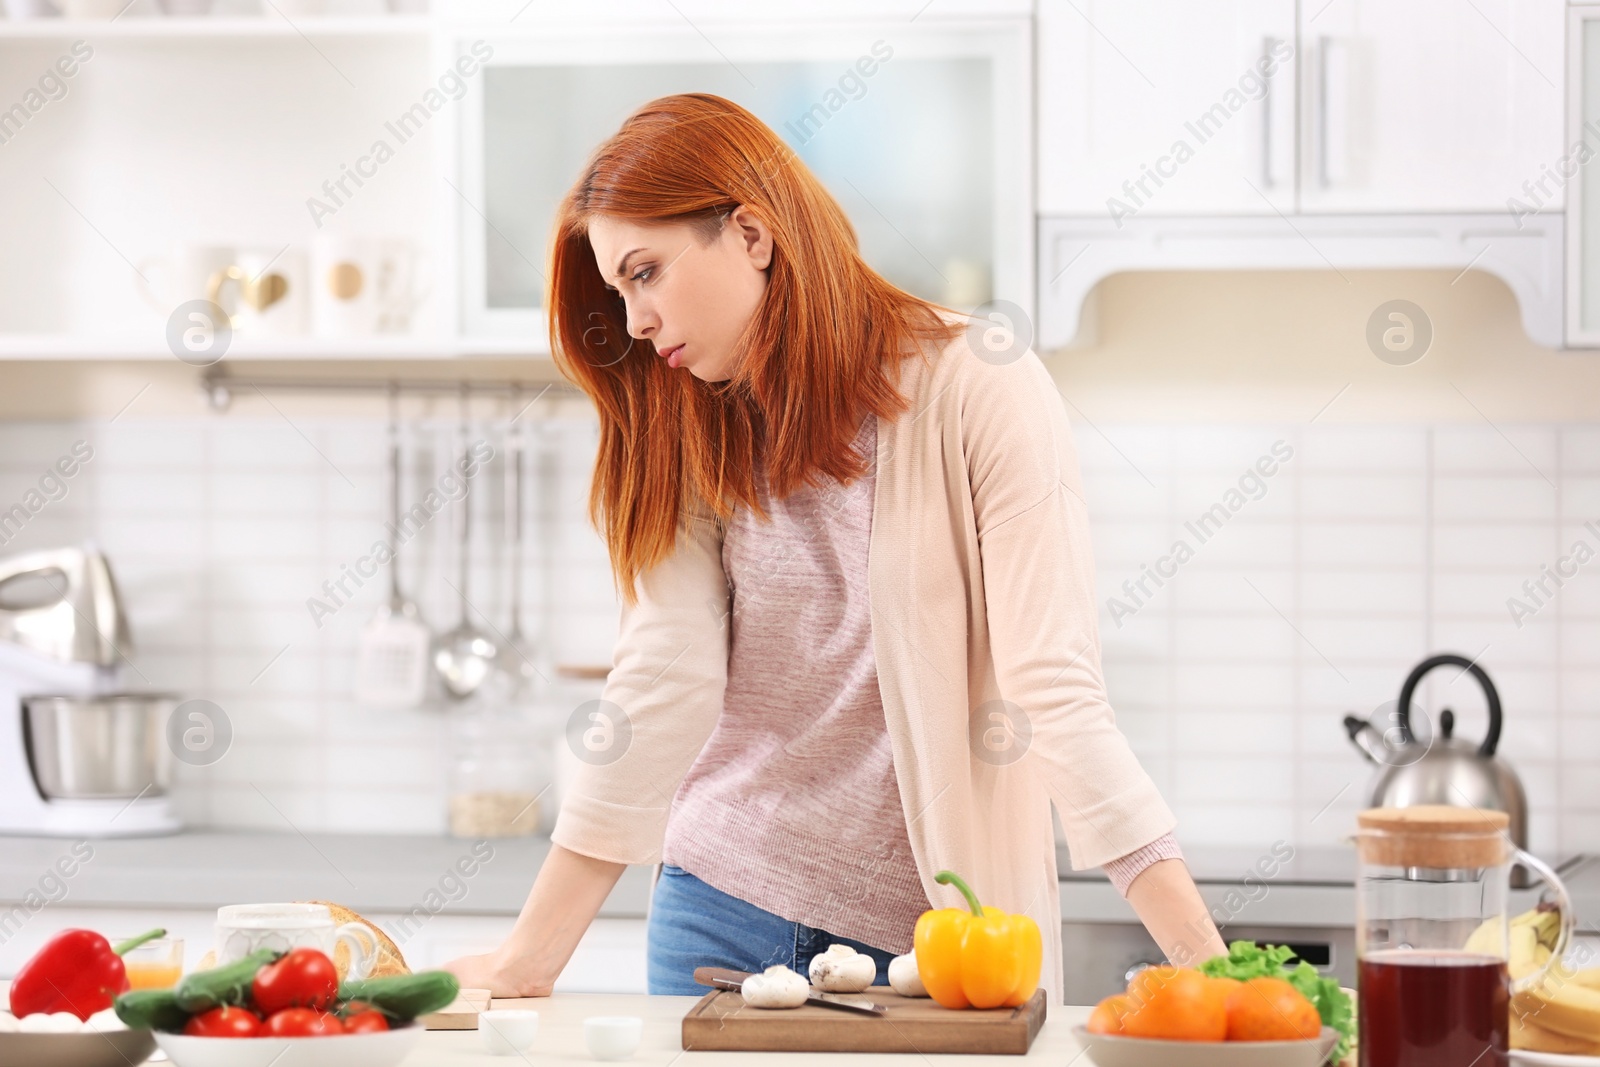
{"x":793,"y":804}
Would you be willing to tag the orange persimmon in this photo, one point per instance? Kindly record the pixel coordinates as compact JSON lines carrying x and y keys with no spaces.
{"x":1270,"y":1009}
{"x":1176,"y":1004}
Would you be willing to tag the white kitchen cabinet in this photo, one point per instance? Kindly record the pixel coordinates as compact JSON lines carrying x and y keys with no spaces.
{"x":1430,"y":105}
{"x":1371,"y":107}
{"x":921,"y":130}
{"x":931,"y":155}
{"x":1423,"y":135}
{"x":1166,"y":107}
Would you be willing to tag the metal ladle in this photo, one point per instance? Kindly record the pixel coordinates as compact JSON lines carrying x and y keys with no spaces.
{"x":521,"y":663}
{"x":465,"y":656}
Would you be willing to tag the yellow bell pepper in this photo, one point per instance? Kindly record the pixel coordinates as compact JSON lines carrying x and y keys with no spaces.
{"x":984,"y":958}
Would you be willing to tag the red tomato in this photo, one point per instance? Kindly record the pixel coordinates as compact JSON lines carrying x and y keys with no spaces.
{"x":365,"y":1022}
{"x":226,"y":1021}
{"x":301,"y":1022}
{"x":305,"y":978}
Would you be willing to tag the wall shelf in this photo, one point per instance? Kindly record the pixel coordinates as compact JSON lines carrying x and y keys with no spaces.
{"x":379,"y":347}
{"x":177,"y":29}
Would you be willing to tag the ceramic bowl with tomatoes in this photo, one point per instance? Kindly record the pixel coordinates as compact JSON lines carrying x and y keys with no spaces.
{"x":381,"y":1048}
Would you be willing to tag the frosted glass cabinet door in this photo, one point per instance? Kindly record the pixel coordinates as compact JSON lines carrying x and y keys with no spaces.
{"x":1429,"y":105}
{"x":1166,"y":107}
{"x":928,"y":153}
{"x":1583,"y":192}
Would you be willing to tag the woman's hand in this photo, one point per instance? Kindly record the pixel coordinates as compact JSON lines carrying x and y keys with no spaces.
{"x":499,"y":973}
{"x":565,"y":898}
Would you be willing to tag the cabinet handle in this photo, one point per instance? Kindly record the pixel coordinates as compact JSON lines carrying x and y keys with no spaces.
{"x":1267,"y":45}
{"x":1332,"y":84}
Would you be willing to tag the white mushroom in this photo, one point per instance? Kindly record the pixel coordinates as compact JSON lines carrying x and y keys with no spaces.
{"x":775,"y":987}
{"x":8,"y":1023}
{"x":104,"y":1020}
{"x":842,"y":969}
{"x":903,"y":976}
{"x":59,"y":1022}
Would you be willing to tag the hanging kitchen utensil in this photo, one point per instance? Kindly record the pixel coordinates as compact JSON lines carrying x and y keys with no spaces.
{"x":392,"y":658}
{"x":465,"y":656}
{"x":521,"y":659}
{"x":1416,"y":769}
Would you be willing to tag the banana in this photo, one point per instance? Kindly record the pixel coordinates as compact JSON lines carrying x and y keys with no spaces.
{"x":1485,"y":940}
{"x":1547,"y":924}
{"x":1529,"y":1035}
{"x":1565,"y":1007}
{"x":1524,"y":944}
{"x":1588,"y":977}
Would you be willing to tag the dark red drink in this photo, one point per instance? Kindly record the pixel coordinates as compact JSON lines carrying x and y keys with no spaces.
{"x":1433,"y":1009}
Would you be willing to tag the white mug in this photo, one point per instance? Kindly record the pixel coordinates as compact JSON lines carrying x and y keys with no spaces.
{"x":264,"y":290}
{"x":364,"y":285}
{"x":168,"y":281}
{"x":244,"y":928}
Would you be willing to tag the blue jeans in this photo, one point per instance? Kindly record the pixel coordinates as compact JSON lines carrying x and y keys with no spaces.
{"x":695,"y":925}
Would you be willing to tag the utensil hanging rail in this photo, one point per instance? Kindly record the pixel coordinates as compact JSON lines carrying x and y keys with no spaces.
{"x":220,"y":389}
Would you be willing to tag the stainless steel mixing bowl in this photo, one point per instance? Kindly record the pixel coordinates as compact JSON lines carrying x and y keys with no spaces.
{"x":99,"y":747}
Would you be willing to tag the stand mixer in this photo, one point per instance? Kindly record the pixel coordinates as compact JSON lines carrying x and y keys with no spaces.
{"x":79,"y":757}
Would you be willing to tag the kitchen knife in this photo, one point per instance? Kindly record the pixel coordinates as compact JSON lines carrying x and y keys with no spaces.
{"x":726,"y":978}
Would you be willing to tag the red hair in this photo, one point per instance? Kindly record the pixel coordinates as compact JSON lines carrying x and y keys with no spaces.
{"x":816,"y":356}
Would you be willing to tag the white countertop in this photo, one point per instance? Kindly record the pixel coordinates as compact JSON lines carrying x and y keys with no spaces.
{"x":561,"y":1038}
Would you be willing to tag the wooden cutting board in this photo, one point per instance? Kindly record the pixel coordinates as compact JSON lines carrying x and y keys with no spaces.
{"x":721,"y":1021}
{"x":459,"y":1014}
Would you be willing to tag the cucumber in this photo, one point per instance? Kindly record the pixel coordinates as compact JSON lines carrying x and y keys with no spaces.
{"x":404,"y":996}
{"x":228,"y":984}
{"x":151,"y":1009}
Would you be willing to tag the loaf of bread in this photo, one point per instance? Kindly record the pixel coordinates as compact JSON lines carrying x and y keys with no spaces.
{"x":390,"y":960}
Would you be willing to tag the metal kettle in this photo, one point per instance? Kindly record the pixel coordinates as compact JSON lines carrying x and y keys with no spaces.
{"x":1415,"y":769}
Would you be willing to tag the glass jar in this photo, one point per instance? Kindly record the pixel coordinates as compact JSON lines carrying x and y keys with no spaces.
{"x":499,"y":770}
{"x":1433,"y":936}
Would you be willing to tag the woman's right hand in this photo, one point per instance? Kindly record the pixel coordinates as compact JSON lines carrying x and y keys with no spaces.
{"x":498,"y":972}
{"x":565,"y":898}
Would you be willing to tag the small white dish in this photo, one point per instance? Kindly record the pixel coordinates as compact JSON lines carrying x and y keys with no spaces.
{"x":612,"y":1037}
{"x":93,"y":10}
{"x":507,"y":1031}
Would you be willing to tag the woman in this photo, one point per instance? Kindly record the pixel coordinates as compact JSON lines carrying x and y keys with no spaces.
{"x":859,"y":641}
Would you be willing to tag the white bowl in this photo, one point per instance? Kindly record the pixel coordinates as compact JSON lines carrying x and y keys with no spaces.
{"x":612,"y":1037}
{"x":508,"y":1031}
{"x":106,"y":1048}
{"x":1106,"y":1050}
{"x":383,"y":1049}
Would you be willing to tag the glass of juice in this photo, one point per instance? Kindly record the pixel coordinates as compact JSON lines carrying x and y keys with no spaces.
{"x":156,"y":964}
{"x":1433,"y":935}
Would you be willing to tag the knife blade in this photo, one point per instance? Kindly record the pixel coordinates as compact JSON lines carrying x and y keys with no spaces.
{"x":727,"y":978}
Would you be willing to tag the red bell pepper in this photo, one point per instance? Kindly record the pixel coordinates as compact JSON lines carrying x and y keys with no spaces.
{"x":76,"y":971}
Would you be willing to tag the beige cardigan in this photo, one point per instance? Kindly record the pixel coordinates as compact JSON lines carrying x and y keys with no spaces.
{"x":981,"y":581}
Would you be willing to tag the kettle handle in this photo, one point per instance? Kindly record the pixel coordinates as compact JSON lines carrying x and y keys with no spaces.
{"x":1491,"y":740}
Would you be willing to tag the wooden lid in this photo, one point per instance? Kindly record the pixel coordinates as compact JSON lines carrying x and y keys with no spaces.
{"x":1433,"y":835}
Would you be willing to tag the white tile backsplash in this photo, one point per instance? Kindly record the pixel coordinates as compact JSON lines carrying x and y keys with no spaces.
{"x":1371,"y":548}
{"x":1374,"y":547}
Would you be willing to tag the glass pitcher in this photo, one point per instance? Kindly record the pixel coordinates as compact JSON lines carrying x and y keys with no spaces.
{"x":1438,"y":966}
